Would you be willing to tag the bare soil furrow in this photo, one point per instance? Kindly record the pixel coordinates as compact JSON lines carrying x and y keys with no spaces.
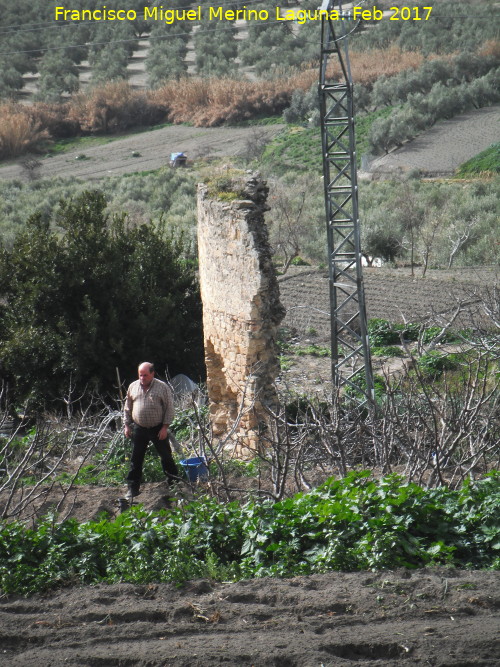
{"x":429,"y":617}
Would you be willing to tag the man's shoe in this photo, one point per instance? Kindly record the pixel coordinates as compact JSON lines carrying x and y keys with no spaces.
{"x":131,"y":493}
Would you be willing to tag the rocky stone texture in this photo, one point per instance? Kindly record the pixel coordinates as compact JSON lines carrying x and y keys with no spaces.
{"x":241,"y":306}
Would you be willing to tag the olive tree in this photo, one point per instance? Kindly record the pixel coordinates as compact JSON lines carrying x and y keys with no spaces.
{"x":58,"y":75}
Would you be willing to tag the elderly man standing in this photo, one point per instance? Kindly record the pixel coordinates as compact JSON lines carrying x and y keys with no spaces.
{"x":149,"y":410}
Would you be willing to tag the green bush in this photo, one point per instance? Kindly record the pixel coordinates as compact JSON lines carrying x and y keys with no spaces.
{"x":105,"y":296}
{"x":431,"y":332}
{"x":313,"y":350}
{"x":434,"y":364}
{"x":358,"y":388}
{"x":381,"y":332}
{"x":385,"y":242}
{"x":58,"y":75}
{"x":408,"y":331}
{"x":387,"y":351}
{"x":165,"y":58}
{"x":303,"y":106}
{"x":299,"y":261}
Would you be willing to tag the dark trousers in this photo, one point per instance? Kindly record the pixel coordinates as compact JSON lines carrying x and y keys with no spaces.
{"x":141,"y":437}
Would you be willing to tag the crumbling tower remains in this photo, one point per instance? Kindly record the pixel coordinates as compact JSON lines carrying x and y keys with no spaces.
{"x":241,"y":306}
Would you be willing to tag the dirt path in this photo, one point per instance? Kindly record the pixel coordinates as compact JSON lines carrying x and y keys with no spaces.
{"x":154,"y":150}
{"x":422,"y":617}
{"x":445,"y":146}
{"x":440,"y":150}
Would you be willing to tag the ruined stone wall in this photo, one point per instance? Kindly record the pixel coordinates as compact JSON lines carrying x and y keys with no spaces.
{"x":241,"y":306}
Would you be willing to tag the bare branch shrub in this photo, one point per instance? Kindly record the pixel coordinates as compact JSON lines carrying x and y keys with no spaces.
{"x":434,"y":431}
{"x":305,"y":442}
{"x":114,"y":108}
{"x":474,"y":318}
{"x":31,"y":167}
{"x":255,"y":144}
{"x":31,"y":461}
{"x":441,"y":433}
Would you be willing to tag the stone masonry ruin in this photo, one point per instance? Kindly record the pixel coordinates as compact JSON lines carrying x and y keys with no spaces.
{"x":241,"y":306}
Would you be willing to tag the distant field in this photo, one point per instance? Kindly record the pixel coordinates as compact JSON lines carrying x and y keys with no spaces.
{"x":440,"y":150}
{"x":153,"y":148}
{"x":391,"y":294}
{"x":444,"y":147}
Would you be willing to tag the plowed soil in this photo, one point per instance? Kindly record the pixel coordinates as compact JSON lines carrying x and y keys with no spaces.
{"x":424,"y":617}
{"x":391,"y":294}
{"x":421,"y":617}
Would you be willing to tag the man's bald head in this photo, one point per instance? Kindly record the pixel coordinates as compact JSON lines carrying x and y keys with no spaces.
{"x":146,"y":373}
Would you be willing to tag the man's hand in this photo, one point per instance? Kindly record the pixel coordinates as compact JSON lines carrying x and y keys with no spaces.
{"x":128,"y":431}
{"x":163,"y":433}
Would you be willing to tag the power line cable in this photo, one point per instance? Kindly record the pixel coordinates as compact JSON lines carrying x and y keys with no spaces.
{"x":117,"y":41}
{"x":49,"y":24}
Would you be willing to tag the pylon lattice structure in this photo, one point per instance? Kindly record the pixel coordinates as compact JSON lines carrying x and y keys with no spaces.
{"x":351,"y":361}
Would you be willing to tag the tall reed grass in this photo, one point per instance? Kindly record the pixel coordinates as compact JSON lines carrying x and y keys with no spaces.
{"x":18,"y":132}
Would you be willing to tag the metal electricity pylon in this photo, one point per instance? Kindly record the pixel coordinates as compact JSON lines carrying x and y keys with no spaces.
{"x":351,"y":361}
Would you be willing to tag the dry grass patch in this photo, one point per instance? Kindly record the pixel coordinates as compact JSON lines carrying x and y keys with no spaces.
{"x":18,"y":132}
{"x":368,"y":66}
{"x":113,"y":108}
{"x":211,"y":102}
{"x":54,"y":118}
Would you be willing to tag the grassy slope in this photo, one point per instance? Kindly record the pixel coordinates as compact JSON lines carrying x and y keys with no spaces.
{"x":486,"y":162}
{"x":300,"y":148}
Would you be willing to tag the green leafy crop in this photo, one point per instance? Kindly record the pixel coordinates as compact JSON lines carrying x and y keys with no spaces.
{"x":355,"y":523}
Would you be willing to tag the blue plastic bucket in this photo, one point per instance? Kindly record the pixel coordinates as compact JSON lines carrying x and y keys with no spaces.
{"x":196,"y":468}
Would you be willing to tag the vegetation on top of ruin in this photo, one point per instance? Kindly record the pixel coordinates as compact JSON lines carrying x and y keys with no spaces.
{"x":226,"y":184}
